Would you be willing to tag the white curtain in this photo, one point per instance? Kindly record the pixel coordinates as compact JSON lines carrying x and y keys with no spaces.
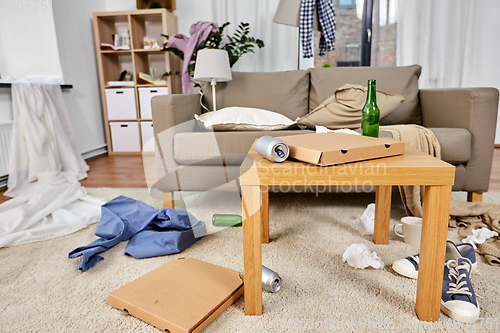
{"x":281,"y":42}
{"x":438,"y":35}
{"x":455,"y":41}
{"x":45,"y":167}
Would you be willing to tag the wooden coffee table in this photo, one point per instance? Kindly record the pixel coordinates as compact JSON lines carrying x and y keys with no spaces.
{"x":412,"y":168}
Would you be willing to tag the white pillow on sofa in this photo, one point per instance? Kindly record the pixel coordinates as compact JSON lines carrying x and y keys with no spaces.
{"x":237,"y":118}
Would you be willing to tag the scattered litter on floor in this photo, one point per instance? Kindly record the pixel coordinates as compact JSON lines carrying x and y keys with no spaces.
{"x":271,"y":281}
{"x":366,"y":224}
{"x":181,"y":296}
{"x":227,"y":220}
{"x":359,"y":256}
{"x":152,"y":232}
{"x":479,"y":236}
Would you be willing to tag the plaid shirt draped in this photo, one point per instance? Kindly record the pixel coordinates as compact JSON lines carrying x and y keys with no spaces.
{"x":326,"y":15}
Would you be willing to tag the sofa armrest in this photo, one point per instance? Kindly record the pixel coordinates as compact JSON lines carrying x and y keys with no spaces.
{"x":474,"y":109}
{"x":172,"y":110}
{"x":171,"y":114}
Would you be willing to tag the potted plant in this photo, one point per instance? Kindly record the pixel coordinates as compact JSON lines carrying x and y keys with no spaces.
{"x":236,"y":46}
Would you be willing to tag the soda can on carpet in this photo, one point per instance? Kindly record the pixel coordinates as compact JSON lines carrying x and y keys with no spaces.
{"x":271,"y":281}
{"x":275,"y":150}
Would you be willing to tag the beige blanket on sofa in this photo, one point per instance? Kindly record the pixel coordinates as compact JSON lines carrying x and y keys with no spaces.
{"x":466,"y":215}
{"x":424,"y":140}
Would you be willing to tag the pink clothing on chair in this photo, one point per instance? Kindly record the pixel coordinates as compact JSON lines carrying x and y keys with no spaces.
{"x":199,"y":32}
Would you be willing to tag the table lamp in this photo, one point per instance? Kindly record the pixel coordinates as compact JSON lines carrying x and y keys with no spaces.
{"x":212,"y":65}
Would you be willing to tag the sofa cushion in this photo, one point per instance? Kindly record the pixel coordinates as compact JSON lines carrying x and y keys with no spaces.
{"x":216,"y":148}
{"x":283,"y":92}
{"x":344,"y":108}
{"x":392,"y":80}
{"x":455,"y":144}
{"x":235,"y":118}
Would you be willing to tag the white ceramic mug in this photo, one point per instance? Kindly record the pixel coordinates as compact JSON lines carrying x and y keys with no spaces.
{"x":411,"y":229}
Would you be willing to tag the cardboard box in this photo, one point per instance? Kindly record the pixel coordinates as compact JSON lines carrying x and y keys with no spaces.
{"x":181,"y":296}
{"x":325,"y":149}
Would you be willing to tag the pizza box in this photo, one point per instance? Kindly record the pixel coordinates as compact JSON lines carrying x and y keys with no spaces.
{"x":181,"y":296}
{"x":325,"y":149}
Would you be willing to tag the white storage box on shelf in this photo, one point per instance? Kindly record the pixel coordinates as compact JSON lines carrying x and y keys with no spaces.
{"x":145,"y":95}
{"x":125,"y":136}
{"x":121,"y":104}
{"x":147,"y":134}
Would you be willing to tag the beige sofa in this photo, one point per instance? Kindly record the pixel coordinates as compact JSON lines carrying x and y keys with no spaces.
{"x":189,"y":158}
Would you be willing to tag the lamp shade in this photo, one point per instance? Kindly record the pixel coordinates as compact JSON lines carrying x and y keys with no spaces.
{"x":288,"y":13}
{"x":212,"y":64}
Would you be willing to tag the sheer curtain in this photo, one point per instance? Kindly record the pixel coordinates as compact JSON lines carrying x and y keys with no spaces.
{"x":281,"y":42}
{"x":455,"y":42}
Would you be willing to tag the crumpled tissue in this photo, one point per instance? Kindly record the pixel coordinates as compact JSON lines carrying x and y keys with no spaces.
{"x":479,"y":236}
{"x":366,"y":224}
{"x":323,"y":129}
{"x":359,"y":256}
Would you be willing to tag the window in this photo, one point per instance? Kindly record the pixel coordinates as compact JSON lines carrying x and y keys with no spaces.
{"x":384,"y":33}
{"x":347,"y":41}
{"x":349,"y":19}
{"x":347,"y":4}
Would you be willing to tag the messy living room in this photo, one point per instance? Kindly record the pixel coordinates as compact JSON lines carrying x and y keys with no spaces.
{"x":191,"y":166}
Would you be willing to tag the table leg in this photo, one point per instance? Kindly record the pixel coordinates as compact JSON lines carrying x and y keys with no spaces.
{"x":436,"y":211}
{"x":168,"y":200}
{"x":382,"y":214}
{"x":252,"y":256}
{"x":264,"y":213}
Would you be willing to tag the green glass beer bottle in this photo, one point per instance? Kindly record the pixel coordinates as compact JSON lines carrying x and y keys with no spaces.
{"x":370,"y":116}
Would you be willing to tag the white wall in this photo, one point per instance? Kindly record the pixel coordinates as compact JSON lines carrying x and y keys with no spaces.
{"x":73,"y":22}
{"x":28,"y":47}
{"x":28,"y":42}
{"x":117,"y":5}
{"x":57,"y":42}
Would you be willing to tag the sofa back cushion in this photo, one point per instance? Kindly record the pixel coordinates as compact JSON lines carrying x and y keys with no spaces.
{"x":392,"y":80}
{"x":283,"y":92}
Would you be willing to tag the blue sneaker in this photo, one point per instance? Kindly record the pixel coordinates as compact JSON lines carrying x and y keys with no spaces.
{"x":409,"y":266}
{"x":458,"y":300}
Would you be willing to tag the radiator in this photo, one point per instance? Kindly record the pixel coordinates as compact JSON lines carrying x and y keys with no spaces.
{"x":5,"y":140}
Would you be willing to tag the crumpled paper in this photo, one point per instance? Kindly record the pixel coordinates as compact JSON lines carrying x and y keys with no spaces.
{"x":366,"y":224}
{"x":323,"y":129}
{"x":479,"y":236}
{"x":359,"y":256}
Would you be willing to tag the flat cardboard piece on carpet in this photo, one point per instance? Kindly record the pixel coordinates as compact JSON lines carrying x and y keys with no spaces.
{"x":325,"y":149}
{"x":181,"y":296}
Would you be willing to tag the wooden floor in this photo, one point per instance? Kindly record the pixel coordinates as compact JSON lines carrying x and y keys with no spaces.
{"x":495,"y":172}
{"x":128,"y":171}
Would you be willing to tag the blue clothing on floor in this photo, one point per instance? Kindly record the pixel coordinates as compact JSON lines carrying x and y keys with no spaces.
{"x":152,"y":232}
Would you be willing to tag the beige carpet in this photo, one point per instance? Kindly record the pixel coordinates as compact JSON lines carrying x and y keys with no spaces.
{"x":42,"y":291}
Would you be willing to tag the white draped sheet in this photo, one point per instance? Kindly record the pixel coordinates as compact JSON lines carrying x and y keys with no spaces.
{"x":45,"y":168}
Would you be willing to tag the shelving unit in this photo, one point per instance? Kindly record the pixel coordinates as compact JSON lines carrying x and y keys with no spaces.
{"x":126,"y":130}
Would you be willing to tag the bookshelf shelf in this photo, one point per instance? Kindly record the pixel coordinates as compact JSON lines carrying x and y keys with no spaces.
{"x":111,"y":63}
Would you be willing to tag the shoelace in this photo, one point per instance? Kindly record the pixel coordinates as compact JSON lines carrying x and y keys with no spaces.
{"x":460,"y":287}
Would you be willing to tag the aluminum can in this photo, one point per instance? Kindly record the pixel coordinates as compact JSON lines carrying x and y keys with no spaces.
{"x":275,"y":150}
{"x":271,"y":281}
